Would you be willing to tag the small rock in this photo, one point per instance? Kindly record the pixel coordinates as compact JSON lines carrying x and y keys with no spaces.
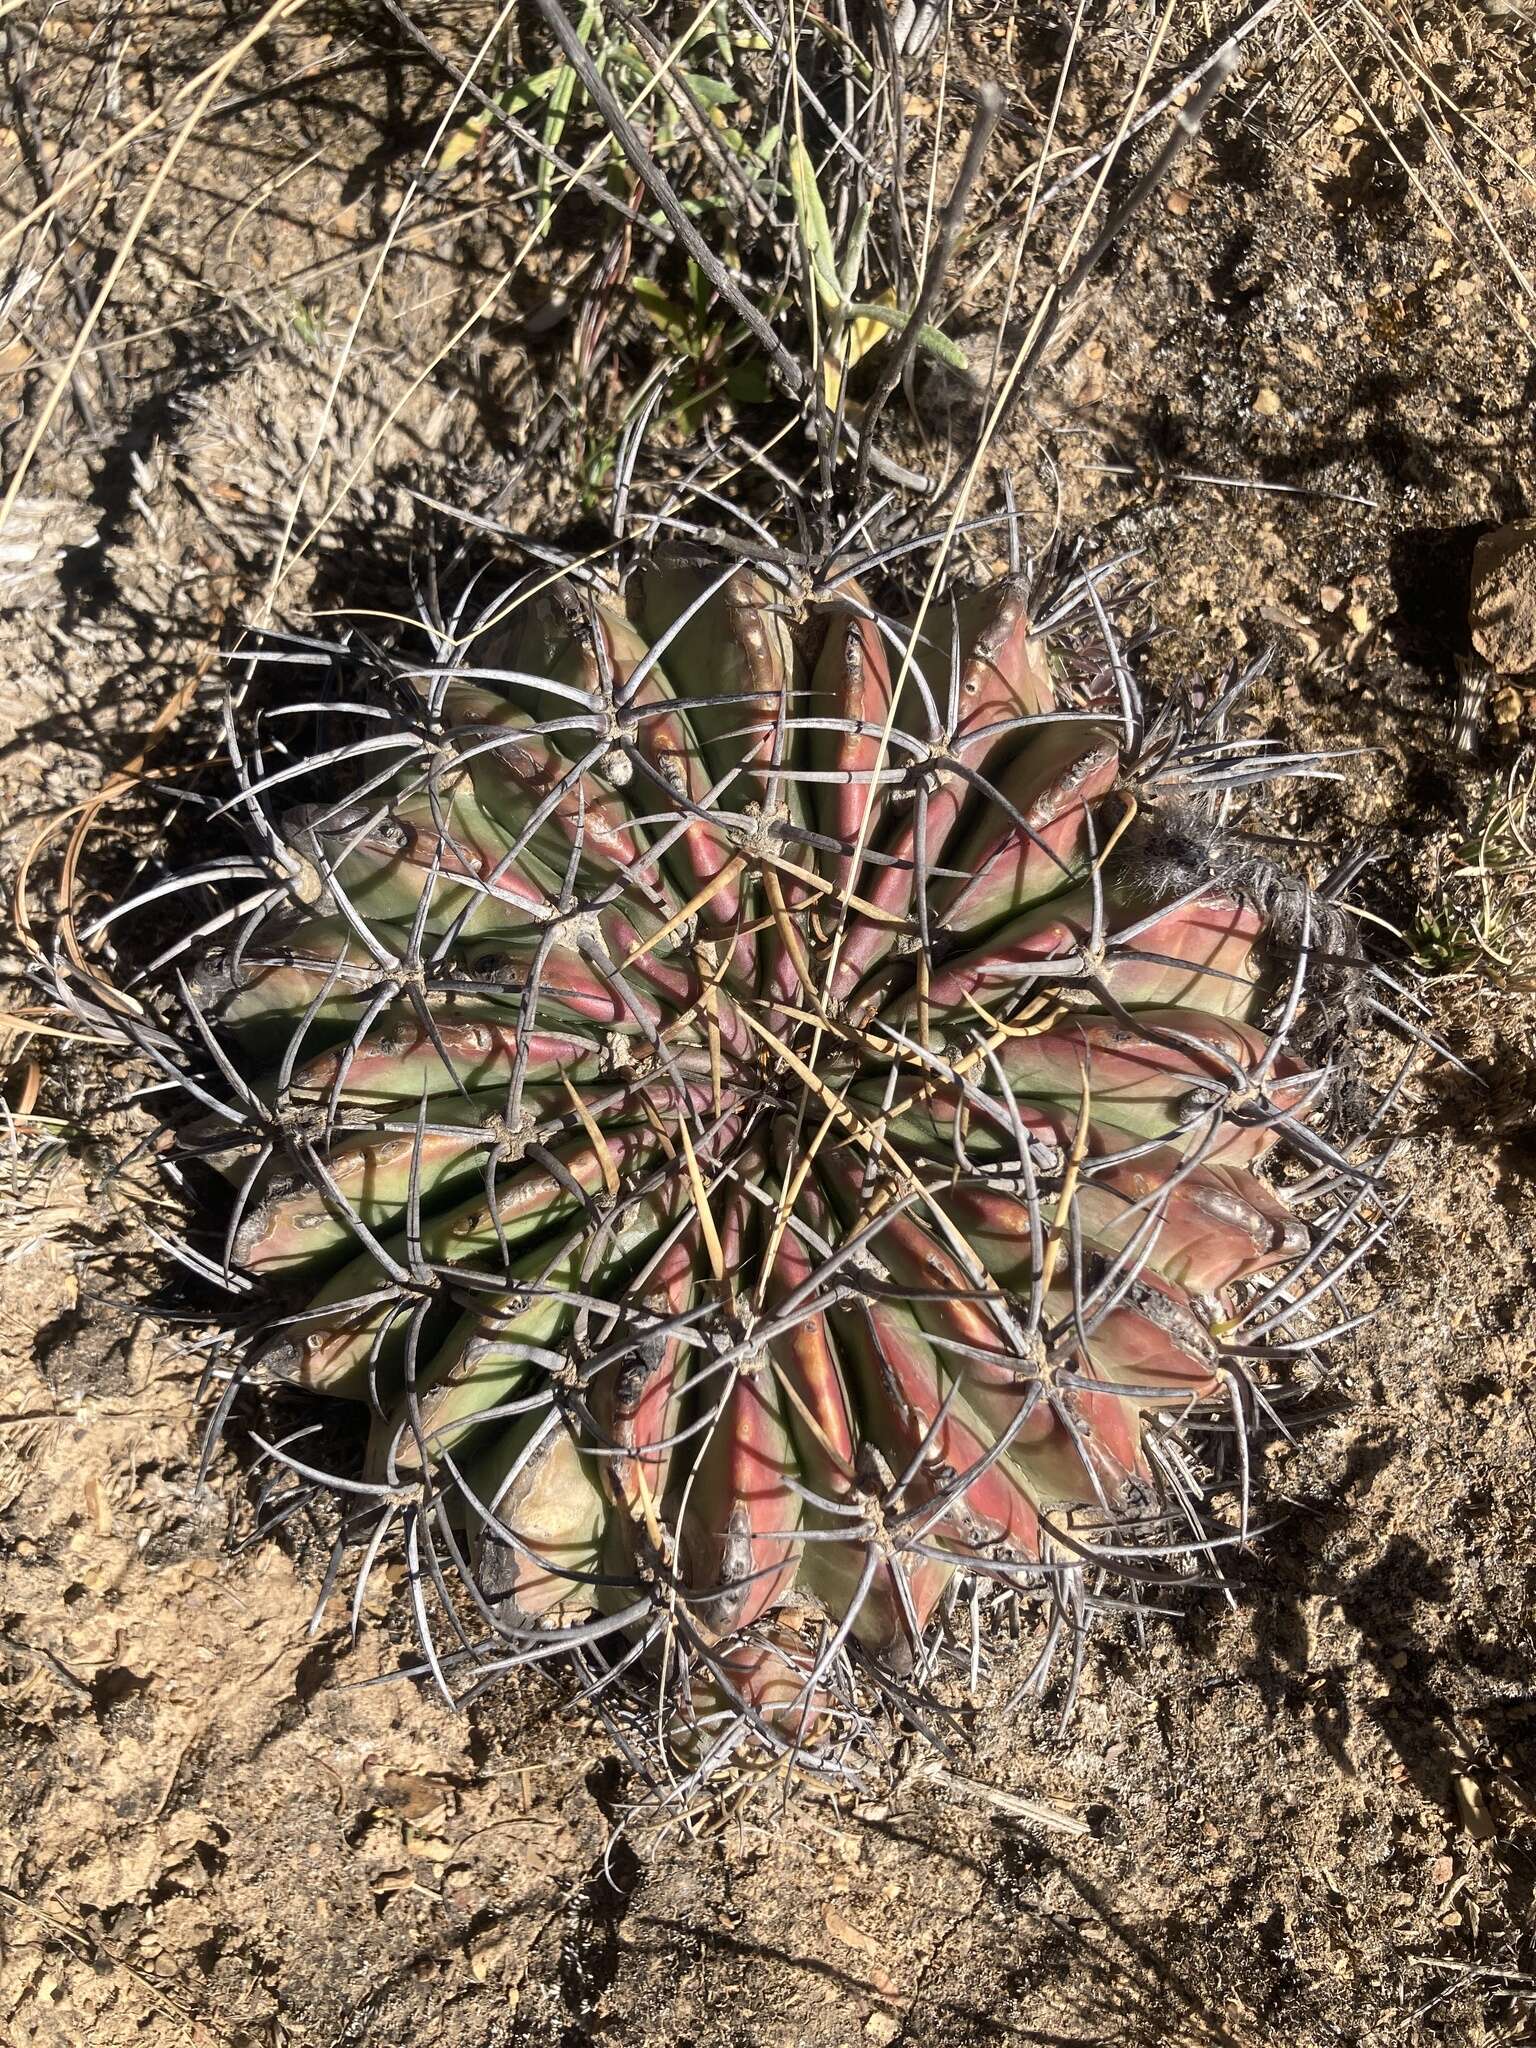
{"x":1266,"y":402}
{"x":1177,"y":201}
{"x":1503,"y":608}
{"x":1330,"y":597}
{"x":1472,"y":1806}
{"x":882,"y":2029}
{"x":1506,"y":706}
{"x":489,"y":1952}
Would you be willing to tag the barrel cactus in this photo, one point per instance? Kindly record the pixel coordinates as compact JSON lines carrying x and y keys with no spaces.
{"x":764,"y":1107}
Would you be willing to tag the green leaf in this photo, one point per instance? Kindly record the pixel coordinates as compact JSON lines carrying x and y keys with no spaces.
{"x":522,"y":96}
{"x":538,"y":85}
{"x":749,"y":384}
{"x":888,"y":316}
{"x":853,"y":255}
{"x":711,"y":92}
{"x":941,"y":346}
{"x":671,"y":318}
{"x":814,"y":230}
{"x":559,"y":99}
{"x":928,"y":338}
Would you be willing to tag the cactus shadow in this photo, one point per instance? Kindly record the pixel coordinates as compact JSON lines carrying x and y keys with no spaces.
{"x":1379,"y":1602}
{"x":1122,"y":1977}
{"x":1115,"y":1986}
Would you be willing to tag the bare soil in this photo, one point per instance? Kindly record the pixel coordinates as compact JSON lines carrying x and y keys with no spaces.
{"x":1304,"y":1815}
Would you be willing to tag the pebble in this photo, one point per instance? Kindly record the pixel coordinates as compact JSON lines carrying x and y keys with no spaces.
{"x":1506,"y":706}
{"x":1503,"y":607}
{"x":1472,"y":1806}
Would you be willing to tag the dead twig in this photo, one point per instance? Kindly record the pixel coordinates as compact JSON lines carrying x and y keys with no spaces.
{"x":988,"y":112}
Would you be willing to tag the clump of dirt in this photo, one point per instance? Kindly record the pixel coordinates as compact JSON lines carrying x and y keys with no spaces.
{"x":1306,"y":1812}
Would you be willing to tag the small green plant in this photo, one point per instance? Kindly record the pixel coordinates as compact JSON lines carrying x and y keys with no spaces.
{"x":308,"y":323}
{"x":741,"y":271}
{"x":1442,"y":940}
{"x":1479,"y":918}
{"x":722,"y":362}
{"x":853,"y":326}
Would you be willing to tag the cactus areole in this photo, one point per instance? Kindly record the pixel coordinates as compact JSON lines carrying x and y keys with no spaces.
{"x":766,"y":1107}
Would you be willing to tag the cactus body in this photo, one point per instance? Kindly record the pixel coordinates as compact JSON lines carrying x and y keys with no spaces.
{"x":726,"y":1098}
